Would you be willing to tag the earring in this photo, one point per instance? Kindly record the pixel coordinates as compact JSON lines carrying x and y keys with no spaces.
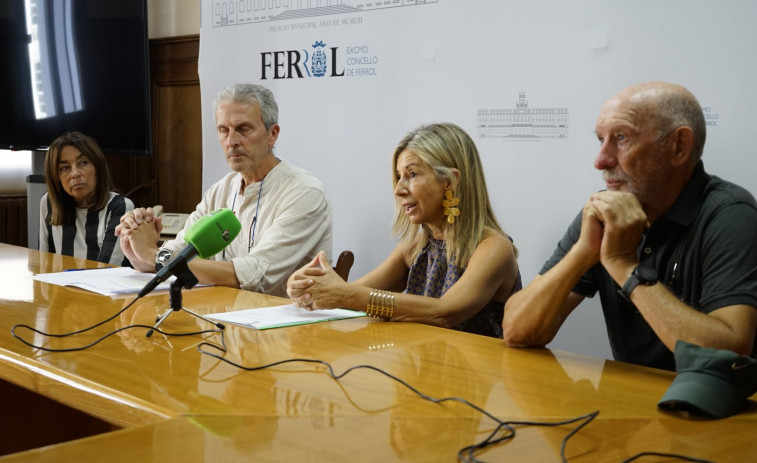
{"x":449,"y":206}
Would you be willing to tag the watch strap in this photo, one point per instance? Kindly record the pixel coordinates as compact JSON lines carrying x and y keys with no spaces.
{"x":645,"y":276}
{"x":631,"y":283}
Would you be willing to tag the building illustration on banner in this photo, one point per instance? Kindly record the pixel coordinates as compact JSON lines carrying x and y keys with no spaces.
{"x":237,"y":12}
{"x":523,"y":122}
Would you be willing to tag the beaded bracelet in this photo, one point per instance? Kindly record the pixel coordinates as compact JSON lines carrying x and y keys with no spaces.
{"x":380,"y":304}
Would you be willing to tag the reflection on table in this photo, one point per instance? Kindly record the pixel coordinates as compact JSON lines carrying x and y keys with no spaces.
{"x":175,"y":403}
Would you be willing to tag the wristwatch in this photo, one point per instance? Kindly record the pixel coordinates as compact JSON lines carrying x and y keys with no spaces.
{"x":162,"y":257}
{"x":641,"y":275}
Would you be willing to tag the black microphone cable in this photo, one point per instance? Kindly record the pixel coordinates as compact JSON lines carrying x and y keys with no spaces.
{"x":102,"y":338}
{"x":486,"y":443}
{"x":466,"y":454}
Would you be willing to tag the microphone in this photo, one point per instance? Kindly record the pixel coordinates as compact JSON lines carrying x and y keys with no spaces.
{"x":205,"y":238}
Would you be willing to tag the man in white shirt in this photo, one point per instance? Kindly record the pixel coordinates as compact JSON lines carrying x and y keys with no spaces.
{"x":285,"y":215}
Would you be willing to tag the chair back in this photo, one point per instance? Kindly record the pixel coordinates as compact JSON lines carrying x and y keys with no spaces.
{"x":344,"y":264}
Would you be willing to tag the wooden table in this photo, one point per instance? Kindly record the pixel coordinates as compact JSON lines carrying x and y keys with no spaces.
{"x":160,"y":399}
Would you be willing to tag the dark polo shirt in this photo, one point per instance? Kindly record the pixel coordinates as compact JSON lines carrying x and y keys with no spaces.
{"x":704,"y":249}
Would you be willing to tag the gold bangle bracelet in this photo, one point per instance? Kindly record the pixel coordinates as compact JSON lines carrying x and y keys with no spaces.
{"x":371,"y":307}
{"x":380,"y":304}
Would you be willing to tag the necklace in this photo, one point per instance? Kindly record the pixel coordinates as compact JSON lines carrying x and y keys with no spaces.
{"x":254,"y":222}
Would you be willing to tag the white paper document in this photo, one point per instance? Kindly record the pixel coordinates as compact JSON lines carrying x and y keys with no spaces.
{"x":109,"y":281}
{"x":282,"y":315}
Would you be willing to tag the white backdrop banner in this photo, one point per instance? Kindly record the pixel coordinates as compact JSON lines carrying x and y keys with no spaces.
{"x":525,"y":79}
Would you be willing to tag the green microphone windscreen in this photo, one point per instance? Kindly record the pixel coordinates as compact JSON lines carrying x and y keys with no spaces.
{"x":213,"y":232}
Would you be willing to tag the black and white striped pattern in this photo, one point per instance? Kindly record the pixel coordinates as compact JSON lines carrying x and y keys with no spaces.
{"x":92,"y":236}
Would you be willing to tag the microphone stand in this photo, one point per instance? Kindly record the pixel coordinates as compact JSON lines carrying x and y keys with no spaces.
{"x":184,"y":278}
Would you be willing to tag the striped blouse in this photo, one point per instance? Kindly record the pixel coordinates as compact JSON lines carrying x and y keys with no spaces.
{"x":91,"y":237}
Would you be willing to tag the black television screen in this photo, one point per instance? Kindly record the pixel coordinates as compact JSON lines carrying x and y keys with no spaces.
{"x":74,"y":65}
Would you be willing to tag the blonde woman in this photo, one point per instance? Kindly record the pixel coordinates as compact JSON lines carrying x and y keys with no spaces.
{"x":453,"y":266}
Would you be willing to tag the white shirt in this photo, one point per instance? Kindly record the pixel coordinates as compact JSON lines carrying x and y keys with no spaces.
{"x":293,"y":224}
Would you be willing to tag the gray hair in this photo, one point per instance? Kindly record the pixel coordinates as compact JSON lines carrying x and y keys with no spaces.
{"x":670,"y":106}
{"x":681,"y":109}
{"x":251,"y":93}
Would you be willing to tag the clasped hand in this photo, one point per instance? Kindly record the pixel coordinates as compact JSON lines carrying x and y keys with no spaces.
{"x":134,"y":219}
{"x":316,"y":285}
{"x":139,"y":231}
{"x":611,"y":229}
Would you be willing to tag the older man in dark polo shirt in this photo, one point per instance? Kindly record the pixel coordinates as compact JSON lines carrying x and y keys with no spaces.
{"x":671,"y":250}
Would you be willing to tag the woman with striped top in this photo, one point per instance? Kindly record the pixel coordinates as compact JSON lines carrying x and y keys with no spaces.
{"x":79,"y":212}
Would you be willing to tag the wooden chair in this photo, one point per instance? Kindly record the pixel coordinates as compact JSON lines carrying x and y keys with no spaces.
{"x":344,"y":264}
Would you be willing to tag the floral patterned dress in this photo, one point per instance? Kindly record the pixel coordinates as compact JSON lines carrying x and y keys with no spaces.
{"x":431,"y":275}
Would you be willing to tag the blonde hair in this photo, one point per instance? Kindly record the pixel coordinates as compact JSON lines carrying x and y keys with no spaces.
{"x":443,"y":147}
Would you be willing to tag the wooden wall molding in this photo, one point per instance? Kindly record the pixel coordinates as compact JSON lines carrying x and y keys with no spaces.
{"x":172,"y":174}
{"x":174,"y":60}
{"x":176,"y":122}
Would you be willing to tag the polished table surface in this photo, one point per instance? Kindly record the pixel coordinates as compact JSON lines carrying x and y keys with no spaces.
{"x":177,"y":404}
